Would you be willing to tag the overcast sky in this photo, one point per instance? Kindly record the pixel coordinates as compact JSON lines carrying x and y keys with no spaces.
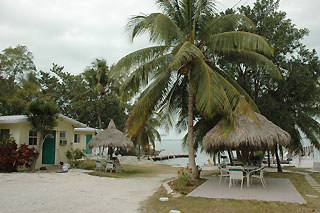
{"x":72,"y":33}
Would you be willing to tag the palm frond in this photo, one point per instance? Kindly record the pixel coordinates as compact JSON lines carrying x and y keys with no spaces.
{"x":226,"y":22}
{"x":140,"y":77}
{"x":229,"y":42}
{"x":148,"y":101}
{"x":202,"y":8}
{"x":160,"y":27}
{"x":136,"y":59}
{"x":210,"y":96}
{"x":310,"y":127}
{"x":243,"y":93}
{"x":237,"y":101}
{"x":185,"y":54}
{"x":171,"y":9}
{"x":258,"y":59}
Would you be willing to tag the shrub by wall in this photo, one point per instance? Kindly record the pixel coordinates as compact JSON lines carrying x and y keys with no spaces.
{"x":11,"y":157}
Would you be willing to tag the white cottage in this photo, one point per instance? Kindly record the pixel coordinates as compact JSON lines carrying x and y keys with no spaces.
{"x":68,"y":134}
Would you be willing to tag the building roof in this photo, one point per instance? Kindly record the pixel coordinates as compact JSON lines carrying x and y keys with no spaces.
{"x":86,"y":129}
{"x":12,"y":119}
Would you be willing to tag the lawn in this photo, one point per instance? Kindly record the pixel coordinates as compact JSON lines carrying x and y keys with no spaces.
{"x":130,"y":170}
{"x":191,"y":204}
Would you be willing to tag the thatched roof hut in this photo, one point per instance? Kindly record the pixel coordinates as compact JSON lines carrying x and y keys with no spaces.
{"x":110,"y":137}
{"x":246,"y":133}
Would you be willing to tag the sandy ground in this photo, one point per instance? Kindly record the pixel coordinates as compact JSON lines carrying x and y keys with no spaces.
{"x":74,"y":191}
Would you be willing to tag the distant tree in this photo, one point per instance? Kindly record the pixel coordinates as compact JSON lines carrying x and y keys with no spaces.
{"x":42,"y":116}
{"x":98,"y":73}
{"x":14,"y":62}
{"x":18,"y":82}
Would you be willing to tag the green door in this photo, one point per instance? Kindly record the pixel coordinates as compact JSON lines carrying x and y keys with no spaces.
{"x":49,"y":149}
{"x":88,"y":150}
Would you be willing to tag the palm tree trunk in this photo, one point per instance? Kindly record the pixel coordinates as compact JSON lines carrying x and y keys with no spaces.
{"x":269,"y":163}
{"x":99,"y":120}
{"x":230,"y":156}
{"x":192,"y":160}
{"x":214,"y":158}
{"x":277,"y":157}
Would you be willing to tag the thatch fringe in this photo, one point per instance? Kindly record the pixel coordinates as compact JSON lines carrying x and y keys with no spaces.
{"x":246,"y":132}
{"x":110,"y":137}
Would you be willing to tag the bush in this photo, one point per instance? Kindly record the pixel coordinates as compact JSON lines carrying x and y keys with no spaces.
{"x":11,"y":157}
{"x":73,"y":156}
{"x":183,"y":181}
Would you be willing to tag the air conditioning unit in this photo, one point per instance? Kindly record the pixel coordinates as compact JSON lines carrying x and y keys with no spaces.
{"x":63,"y":142}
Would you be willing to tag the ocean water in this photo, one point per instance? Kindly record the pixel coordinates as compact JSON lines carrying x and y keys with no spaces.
{"x":174,"y":146}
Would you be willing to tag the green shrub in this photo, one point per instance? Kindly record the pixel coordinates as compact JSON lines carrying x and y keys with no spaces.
{"x":184,"y":179}
{"x":73,"y":156}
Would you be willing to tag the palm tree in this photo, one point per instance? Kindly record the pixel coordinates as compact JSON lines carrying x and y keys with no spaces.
{"x":147,"y":135}
{"x":97,"y":75}
{"x":180,"y":70}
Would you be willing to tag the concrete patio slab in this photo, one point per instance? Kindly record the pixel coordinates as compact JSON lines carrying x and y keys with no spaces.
{"x":277,"y":189}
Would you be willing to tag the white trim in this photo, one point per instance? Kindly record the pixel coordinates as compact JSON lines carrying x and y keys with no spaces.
{"x":87,"y":129}
{"x":11,"y":119}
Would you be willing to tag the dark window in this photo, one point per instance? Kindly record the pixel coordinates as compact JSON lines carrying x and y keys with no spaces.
{"x":76,"y":138}
{"x":33,"y":137}
{"x":4,"y":133}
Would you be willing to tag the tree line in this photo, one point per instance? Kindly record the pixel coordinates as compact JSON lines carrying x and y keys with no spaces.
{"x":89,"y":97}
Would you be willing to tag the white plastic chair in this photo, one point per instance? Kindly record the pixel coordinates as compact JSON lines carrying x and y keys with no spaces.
{"x":258,"y":173}
{"x":223,"y":172}
{"x":235,"y":173}
{"x":109,"y":165}
{"x":98,"y":165}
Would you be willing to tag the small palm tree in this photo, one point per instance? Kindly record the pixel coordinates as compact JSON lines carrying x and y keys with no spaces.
{"x":180,"y":73}
{"x":148,"y":135}
{"x":97,"y":76}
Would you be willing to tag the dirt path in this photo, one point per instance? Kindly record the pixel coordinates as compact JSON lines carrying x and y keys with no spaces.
{"x":74,"y":191}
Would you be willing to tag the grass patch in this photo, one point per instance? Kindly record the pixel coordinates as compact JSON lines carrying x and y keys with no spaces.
{"x":191,"y":204}
{"x":316,"y":177}
{"x":143,"y":170}
{"x":294,"y":169}
{"x":88,"y":165}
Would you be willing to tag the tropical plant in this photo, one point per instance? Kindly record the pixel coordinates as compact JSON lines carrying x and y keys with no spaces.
{"x":147,"y":135}
{"x":73,"y":156}
{"x":42,"y":116}
{"x":97,"y":74}
{"x":180,"y":72}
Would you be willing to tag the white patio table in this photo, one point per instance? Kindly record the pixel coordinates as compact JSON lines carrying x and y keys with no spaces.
{"x":247,"y":169}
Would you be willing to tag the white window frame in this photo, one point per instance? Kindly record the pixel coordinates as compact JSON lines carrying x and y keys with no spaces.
{"x":63,"y":139}
{"x":33,"y":137}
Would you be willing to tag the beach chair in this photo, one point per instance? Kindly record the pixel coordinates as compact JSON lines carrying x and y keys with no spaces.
{"x":235,"y":173}
{"x":223,"y":172}
{"x":98,"y":165}
{"x":258,"y":173}
{"x":109,"y":166}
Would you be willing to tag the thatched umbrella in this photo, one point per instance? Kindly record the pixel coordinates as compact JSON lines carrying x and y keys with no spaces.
{"x":110,"y":137}
{"x":246,"y":134}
